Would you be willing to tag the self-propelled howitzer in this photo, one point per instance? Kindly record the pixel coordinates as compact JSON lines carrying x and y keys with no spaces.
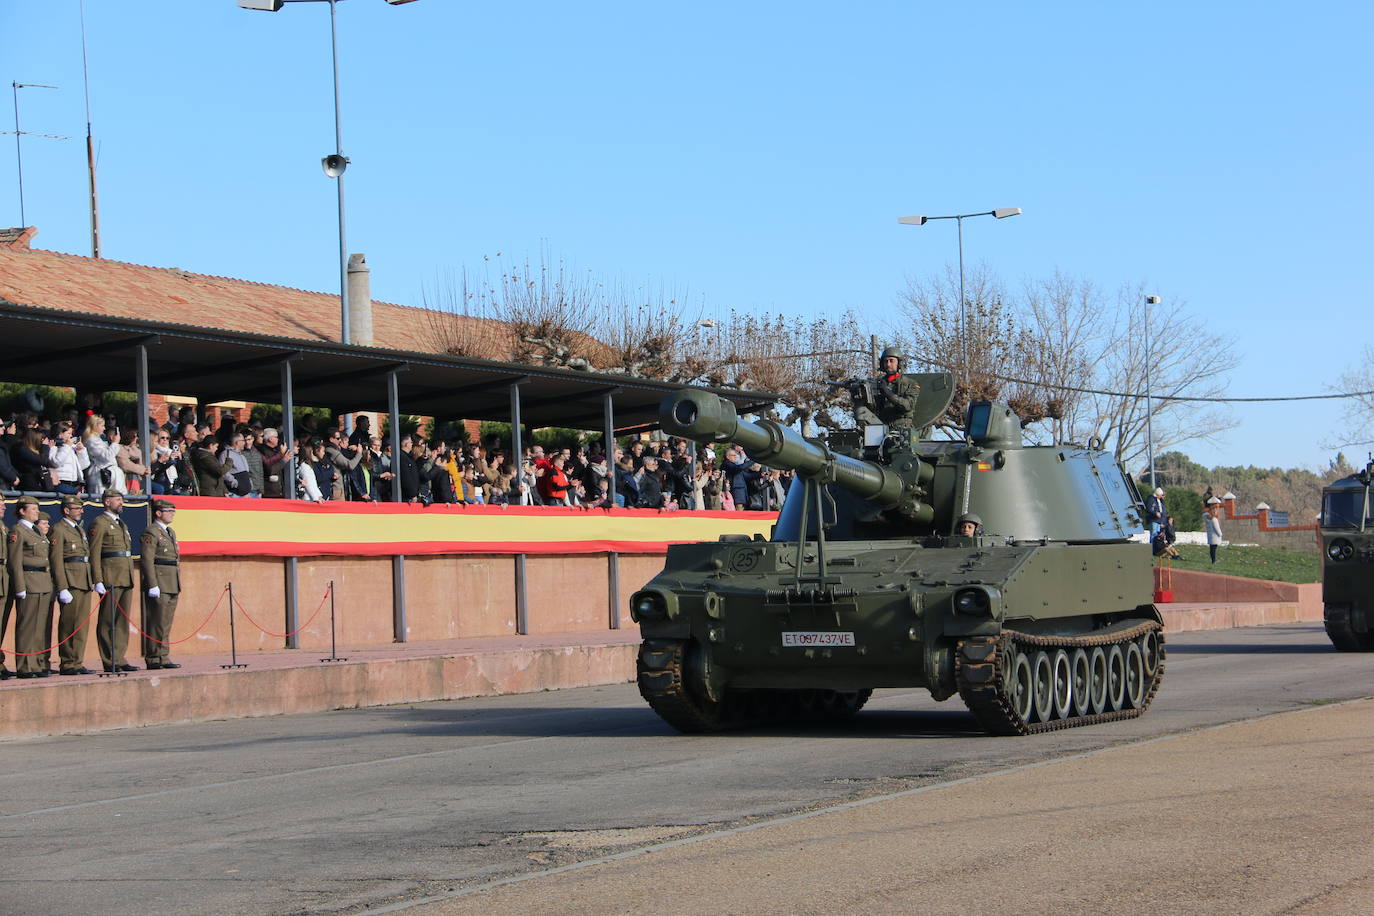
{"x":1041,"y":620}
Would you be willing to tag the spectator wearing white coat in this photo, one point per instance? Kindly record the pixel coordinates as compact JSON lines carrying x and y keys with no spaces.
{"x":103,"y":473}
{"x":71,"y":459}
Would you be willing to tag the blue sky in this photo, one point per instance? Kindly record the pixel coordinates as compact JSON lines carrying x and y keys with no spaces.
{"x":755,"y":156}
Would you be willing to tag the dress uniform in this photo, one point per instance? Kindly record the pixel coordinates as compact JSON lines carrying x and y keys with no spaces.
{"x":5,"y":673}
{"x":112,"y":568}
{"x":71,"y":572}
{"x":160,"y":561}
{"x":31,"y":582}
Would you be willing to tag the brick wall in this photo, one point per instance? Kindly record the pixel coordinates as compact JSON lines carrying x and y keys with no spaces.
{"x":1255,"y":529}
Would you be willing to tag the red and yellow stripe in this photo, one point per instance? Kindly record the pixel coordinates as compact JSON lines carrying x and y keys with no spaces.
{"x":270,"y":527}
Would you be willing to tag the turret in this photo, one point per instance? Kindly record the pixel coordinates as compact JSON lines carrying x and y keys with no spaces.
{"x":703,"y":417}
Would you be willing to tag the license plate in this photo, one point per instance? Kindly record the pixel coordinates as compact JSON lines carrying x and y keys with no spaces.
{"x":817,"y":638}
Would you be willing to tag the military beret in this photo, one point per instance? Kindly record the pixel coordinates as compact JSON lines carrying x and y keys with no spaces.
{"x":160,"y":504}
{"x":25,"y":501}
{"x":68,"y":501}
{"x":108,"y":493}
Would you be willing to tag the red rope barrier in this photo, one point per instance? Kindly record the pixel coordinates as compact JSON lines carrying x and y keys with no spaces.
{"x":56,"y":644}
{"x":293,"y":632}
{"x":140,"y":632}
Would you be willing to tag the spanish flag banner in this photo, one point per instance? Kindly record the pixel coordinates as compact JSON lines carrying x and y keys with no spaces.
{"x":283,"y":528}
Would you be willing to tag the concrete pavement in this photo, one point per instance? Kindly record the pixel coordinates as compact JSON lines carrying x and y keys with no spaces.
{"x":1274,"y":815}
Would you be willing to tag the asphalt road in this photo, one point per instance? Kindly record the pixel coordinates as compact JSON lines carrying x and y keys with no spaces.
{"x":359,"y":811}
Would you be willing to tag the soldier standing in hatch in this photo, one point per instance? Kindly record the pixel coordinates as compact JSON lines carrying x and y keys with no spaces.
{"x":70,"y":558}
{"x":893,"y":395}
{"x":31,"y":582}
{"x":112,"y":568}
{"x":161,"y":561}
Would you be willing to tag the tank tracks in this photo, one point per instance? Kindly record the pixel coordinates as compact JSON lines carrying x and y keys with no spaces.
{"x":1342,"y":633}
{"x":1021,"y":684}
{"x":661,"y":682}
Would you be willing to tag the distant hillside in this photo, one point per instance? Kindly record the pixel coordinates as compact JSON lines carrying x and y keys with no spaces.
{"x":1296,"y":491}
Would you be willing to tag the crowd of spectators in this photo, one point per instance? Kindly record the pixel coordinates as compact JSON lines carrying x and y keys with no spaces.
{"x":189,"y":455}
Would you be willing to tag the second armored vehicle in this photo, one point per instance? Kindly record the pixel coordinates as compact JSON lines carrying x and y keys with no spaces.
{"x":1042,"y":619}
{"x":1347,"y":531}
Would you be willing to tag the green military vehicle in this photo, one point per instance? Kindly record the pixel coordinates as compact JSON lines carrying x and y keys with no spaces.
{"x":1348,"y":562}
{"x":1039,"y":620}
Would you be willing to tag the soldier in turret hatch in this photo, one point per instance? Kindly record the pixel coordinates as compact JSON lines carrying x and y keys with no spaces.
{"x":891,"y":397}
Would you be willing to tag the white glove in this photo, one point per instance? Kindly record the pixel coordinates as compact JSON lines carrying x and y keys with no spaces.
{"x":20,"y":596}
{"x":100,"y":589}
{"x":154,"y":592}
{"x":64,"y":596}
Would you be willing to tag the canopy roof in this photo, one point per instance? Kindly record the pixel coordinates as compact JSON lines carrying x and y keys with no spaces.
{"x":95,"y":352}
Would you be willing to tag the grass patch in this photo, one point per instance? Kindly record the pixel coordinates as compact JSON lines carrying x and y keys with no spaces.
{"x":1272,"y":563}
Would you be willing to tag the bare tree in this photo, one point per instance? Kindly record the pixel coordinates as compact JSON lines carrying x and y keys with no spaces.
{"x":461,"y":321}
{"x":1071,"y":328}
{"x":1185,"y":362}
{"x":649,"y":333}
{"x":997,"y":349}
{"x":1071,"y":363}
{"x":1359,"y":409}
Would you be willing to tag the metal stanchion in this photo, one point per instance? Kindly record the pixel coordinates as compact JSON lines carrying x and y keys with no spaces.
{"x":333,"y":645}
{"x":233,"y":645}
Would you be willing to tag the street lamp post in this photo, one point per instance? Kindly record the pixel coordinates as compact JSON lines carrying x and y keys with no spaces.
{"x":1000,"y":213}
{"x":336,"y":163}
{"x":1149,"y":397}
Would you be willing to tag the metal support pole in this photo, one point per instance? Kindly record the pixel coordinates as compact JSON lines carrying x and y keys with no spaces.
{"x":344,"y":329}
{"x":288,"y":434}
{"x":1149,"y":398}
{"x":963,"y":304}
{"x":233,"y":644}
{"x":141,"y":415}
{"x":516,"y":446}
{"x":333,"y":641}
{"x":398,"y":563}
{"x":399,"y":629}
{"x":393,"y":406}
{"x":608,"y":408}
{"x":90,"y":142}
{"x":522,"y":608}
{"x":293,"y":641}
{"x":613,"y":572}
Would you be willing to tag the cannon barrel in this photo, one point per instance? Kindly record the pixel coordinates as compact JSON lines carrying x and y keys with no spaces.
{"x":704,"y":417}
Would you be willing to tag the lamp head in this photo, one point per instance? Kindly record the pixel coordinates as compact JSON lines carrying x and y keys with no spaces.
{"x":1004,"y":212}
{"x":912,"y":220}
{"x":334,"y":165}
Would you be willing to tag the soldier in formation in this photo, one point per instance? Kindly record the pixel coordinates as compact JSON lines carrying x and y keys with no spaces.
{"x":5,"y":673}
{"x":161,"y":561}
{"x":70,"y":558}
{"x":112,"y":569}
{"x":32,"y":584}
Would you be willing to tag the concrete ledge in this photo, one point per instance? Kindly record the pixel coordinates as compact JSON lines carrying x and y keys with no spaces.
{"x":282,"y":682}
{"x":202,"y":692}
{"x":1181,"y":618}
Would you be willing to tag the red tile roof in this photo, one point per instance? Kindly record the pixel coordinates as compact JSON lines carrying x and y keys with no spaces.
{"x":50,"y":279}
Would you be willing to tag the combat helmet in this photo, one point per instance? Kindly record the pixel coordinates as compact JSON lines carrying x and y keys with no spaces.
{"x":969,"y":517}
{"x":892,"y":351}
